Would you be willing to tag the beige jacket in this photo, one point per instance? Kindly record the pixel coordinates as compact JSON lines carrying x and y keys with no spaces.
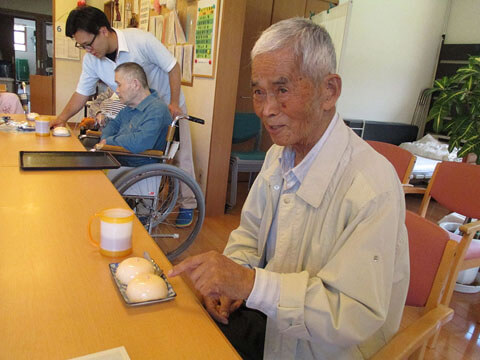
{"x":341,"y":248}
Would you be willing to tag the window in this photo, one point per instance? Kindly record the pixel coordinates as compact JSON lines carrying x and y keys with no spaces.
{"x":20,"y":37}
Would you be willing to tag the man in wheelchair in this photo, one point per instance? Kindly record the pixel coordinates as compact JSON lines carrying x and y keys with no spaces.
{"x":143,"y":123}
{"x":154,"y":191}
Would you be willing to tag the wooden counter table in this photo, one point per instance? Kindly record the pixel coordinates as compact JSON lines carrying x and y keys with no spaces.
{"x":58,"y":299}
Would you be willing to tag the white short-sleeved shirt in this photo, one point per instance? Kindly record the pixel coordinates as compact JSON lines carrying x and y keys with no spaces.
{"x":136,"y":46}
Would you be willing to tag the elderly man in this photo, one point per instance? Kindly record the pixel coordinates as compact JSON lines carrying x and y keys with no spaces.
{"x":143,"y":123}
{"x":321,"y":249}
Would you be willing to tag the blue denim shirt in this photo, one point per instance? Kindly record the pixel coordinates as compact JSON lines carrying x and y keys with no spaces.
{"x":138,"y":129}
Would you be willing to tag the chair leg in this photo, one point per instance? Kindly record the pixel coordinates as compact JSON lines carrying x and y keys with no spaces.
{"x":434,"y":340}
{"x":233,"y":184}
{"x":419,"y":354}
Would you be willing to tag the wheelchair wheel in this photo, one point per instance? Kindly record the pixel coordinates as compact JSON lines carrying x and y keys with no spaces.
{"x":153,"y":192}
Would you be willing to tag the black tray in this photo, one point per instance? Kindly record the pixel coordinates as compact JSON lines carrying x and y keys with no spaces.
{"x":67,"y":160}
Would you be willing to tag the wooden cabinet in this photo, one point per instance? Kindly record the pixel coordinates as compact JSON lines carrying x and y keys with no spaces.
{"x":41,"y":94}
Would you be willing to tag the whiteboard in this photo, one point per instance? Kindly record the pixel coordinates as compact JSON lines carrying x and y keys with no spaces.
{"x":335,"y":21}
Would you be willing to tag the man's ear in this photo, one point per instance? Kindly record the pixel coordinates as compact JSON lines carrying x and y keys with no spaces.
{"x":136,"y":84}
{"x":104,"y":31}
{"x":332,"y":86}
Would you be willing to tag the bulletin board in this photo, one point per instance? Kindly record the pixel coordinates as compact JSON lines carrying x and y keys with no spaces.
{"x":176,"y":29}
{"x":205,"y":38}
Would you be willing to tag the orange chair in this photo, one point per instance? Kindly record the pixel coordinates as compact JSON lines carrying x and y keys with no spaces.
{"x":403,"y":162}
{"x":432,"y":254}
{"x":456,"y":186}
{"x":401,"y":159}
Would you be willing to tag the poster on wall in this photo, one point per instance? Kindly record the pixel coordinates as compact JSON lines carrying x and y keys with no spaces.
{"x":144,"y":14}
{"x":205,"y":37}
{"x":64,"y":46}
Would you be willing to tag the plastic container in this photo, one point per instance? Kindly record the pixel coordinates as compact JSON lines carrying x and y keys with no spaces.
{"x":465,"y":277}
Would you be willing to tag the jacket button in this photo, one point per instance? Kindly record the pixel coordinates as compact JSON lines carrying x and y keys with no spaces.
{"x":276,"y":187}
{"x":286,"y":201}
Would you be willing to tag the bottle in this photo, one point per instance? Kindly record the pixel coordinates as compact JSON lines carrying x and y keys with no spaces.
{"x":24,"y":97}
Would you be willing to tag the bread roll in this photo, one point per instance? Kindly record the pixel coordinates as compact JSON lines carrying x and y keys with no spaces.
{"x":131,"y":267}
{"x":145,"y":287}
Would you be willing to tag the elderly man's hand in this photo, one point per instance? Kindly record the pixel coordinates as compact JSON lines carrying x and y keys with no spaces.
{"x":215,"y":275}
{"x":221,"y":308}
{"x":175,"y":110}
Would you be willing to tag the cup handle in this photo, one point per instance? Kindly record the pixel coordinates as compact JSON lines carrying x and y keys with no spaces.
{"x":90,"y":237}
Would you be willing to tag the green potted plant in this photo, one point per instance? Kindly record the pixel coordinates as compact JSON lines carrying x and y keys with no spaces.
{"x":456,"y":108}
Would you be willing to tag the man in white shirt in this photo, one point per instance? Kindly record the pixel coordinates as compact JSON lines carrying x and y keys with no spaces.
{"x":106,"y":49}
{"x":321,"y":250}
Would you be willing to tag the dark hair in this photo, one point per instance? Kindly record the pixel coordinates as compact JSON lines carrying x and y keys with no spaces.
{"x":133,"y":71}
{"x":86,"y":18}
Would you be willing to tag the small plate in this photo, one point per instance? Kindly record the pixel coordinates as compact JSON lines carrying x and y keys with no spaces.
{"x":123,"y":288}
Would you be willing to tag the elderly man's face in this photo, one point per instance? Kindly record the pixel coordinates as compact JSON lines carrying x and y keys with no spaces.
{"x":125,"y":89}
{"x":288,"y":103}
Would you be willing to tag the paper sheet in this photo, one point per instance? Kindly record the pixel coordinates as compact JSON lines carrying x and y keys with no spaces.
{"x":170,"y":30}
{"x":151,"y":25}
{"x":144,"y":15}
{"x":119,"y":353}
{"x":179,"y":34}
{"x":179,"y":55}
{"x":187,"y":63}
{"x":64,"y":46}
{"x":159,"y":24}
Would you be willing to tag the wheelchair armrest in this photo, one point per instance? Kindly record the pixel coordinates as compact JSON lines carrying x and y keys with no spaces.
{"x":93,"y":133}
{"x":119,"y":149}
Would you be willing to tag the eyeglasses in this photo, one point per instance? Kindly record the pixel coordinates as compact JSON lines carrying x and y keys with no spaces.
{"x":86,"y":46}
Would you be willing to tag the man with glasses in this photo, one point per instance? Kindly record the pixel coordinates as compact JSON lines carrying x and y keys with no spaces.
{"x":107,"y":48}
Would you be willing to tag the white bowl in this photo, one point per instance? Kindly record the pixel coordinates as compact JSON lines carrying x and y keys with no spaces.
{"x":131,"y":267}
{"x":146,"y":287}
{"x":32,"y":116}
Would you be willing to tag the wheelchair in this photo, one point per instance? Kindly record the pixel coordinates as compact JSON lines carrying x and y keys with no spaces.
{"x":154,"y":192}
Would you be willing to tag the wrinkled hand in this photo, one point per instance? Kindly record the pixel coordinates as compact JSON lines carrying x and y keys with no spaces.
{"x":215,"y":275}
{"x":221,"y":308}
{"x":174,"y":110}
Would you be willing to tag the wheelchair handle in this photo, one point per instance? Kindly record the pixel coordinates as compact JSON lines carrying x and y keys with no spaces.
{"x":195,"y":119}
{"x":190,"y":118}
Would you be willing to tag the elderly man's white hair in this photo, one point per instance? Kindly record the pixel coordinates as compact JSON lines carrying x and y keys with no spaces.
{"x":310,"y":43}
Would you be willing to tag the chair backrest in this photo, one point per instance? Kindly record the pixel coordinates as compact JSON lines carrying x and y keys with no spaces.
{"x":455,"y":186}
{"x":401,"y":159}
{"x":246,"y":126}
{"x":431,"y":257}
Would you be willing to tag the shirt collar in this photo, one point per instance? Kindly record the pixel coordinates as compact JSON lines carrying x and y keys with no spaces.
{"x":147,"y":101}
{"x":122,"y":43}
{"x":296,"y":174}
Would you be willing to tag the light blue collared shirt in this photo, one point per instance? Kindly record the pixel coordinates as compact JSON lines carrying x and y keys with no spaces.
{"x":293,"y":177}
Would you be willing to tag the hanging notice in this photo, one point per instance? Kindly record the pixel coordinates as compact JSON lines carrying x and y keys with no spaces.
{"x":144,"y":14}
{"x":64,"y":46}
{"x":204,"y":57}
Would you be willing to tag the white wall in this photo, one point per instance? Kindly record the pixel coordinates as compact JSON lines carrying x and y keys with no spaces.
{"x":31,"y":53}
{"x":463,"y":23}
{"x":389,"y":58}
